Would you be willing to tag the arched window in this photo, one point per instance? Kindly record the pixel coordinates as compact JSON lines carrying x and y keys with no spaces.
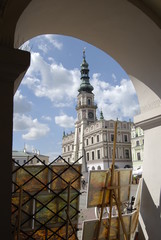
{"x":99,"y":168}
{"x":93,"y":168}
{"x":89,"y":101}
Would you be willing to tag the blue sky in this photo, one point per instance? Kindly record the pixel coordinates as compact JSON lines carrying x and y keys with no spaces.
{"x":44,"y":104}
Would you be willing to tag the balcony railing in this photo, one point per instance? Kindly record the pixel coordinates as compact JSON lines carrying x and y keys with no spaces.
{"x":86,"y":106}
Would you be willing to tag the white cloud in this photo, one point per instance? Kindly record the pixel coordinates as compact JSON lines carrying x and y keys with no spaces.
{"x":47,"y":118}
{"x":48,"y":42}
{"x":51,"y":59}
{"x":33,"y":127}
{"x":115,"y":101}
{"x":65,"y":121}
{"x":25,"y":46}
{"x":21,"y":104}
{"x":52,"y":81}
{"x":60,"y":85}
{"x":114,"y":77}
{"x":54,"y":41}
{"x":43,"y":47}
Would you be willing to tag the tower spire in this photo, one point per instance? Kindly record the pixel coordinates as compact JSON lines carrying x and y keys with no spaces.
{"x":85,"y":84}
{"x":101,"y":115}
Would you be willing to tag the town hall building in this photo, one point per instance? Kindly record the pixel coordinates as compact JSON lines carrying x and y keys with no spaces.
{"x":93,"y":139}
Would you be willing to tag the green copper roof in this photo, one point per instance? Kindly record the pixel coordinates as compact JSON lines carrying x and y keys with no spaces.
{"x":85,"y":85}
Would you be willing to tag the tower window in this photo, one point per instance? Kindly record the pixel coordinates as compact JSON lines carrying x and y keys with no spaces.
{"x":89,"y":101}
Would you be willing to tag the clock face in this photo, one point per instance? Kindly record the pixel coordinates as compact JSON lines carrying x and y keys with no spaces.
{"x":90,"y":114}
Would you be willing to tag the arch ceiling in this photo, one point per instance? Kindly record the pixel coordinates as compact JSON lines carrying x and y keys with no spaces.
{"x":128,"y":30}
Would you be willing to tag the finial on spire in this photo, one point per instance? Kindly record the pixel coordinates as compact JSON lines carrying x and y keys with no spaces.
{"x":84,"y":50}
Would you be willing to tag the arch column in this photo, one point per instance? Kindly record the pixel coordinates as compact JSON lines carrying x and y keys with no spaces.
{"x":150,"y":211}
{"x":13,"y":65}
{"x":150,"y":121}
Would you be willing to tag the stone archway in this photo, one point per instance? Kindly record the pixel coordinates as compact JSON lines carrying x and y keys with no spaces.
{"x":120,"y":29}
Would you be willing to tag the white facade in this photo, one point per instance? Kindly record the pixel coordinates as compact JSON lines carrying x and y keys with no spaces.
{"x":97,"y":141}
{"x":137,"y":146}
{"x":93,"y":139}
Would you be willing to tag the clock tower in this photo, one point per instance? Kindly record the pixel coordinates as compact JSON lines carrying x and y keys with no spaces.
{"x":86,"y":108}
{"x":86,"y":112}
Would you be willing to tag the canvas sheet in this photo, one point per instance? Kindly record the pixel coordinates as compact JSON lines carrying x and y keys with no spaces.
{"x":122,"y":178}
{"x":52,"y":234}
{"x":90,"y":227}
{"x":32,"y":184}
{"x":66,"y":174}
{"x":54,"y":211}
